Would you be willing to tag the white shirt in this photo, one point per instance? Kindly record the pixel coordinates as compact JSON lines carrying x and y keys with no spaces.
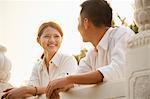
{"x":60,"y":66}
{"x":111,"y":55}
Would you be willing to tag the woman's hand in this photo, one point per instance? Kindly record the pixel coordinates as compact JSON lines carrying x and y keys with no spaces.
{"x":16,"y":93}
{"x":55,"y":95}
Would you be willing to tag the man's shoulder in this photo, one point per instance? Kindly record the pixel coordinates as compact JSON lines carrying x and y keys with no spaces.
{"x":122,"y":31}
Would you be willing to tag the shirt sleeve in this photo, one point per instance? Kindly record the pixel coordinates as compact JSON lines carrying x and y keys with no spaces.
{"x":116,"y":69}
{"x":34,"y":78}
{"x":84,"y":64}
{"x":71,"y":65}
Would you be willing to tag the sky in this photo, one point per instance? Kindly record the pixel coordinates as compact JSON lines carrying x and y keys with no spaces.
{"x":20,"y":20}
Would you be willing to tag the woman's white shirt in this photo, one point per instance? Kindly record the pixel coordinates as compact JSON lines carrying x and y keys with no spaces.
{"x":60,"y":66}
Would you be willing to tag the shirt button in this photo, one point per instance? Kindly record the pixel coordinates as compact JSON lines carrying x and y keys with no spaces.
{"x":51,"y":62}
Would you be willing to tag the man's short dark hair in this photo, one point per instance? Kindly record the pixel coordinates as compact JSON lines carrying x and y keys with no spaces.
{"x":98,"y":11}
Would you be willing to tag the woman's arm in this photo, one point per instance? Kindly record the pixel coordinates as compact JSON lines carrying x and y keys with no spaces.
{"x":22,"y":92}
{"x":40,"y":90}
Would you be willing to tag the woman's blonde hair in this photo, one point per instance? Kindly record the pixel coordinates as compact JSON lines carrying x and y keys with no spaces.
{"x":49,"y":24}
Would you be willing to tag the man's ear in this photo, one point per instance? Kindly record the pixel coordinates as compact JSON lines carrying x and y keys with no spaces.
{"x":38,"y":40}
{"x":86,"y":23}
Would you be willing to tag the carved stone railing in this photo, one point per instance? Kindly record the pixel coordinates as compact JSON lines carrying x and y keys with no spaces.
{"x":138,"y":55}
{"x":142,"y":14}
{"x":138,"y":66}
{"x":111,"y":90}
{"x":5,"y":66}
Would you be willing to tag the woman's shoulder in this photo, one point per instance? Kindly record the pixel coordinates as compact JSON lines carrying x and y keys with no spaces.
{"x":37,"y":64}
{"x":65,"y":58}
{"x":68,"y":56}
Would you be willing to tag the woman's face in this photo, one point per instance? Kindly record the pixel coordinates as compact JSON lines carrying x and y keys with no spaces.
{"x":50,"y":40}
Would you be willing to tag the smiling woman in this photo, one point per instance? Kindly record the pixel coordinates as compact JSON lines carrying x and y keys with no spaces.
{"x":51,"y":65}
{"x":20,"y":38}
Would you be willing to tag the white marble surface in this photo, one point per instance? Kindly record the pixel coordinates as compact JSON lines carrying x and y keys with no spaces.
{"x":138,"y":55}
{"x":5,"y":67}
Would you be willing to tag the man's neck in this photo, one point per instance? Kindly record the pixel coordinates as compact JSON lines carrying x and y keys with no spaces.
{"x":98,"y":34}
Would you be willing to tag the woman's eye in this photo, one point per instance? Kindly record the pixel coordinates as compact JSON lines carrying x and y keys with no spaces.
{"x":46,"y":36}
{"x":56,"y":36}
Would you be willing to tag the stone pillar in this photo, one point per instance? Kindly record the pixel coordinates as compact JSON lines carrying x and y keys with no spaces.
{"x":138,"y":54}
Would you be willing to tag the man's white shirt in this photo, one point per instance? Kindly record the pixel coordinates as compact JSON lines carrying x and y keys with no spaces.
{"x":109,"y":57}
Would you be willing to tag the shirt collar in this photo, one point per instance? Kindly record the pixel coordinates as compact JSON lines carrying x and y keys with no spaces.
{"x":103,"y":43}
{"x":55,"y":60}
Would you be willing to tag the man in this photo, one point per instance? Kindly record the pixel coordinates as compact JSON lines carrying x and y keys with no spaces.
{"x":106,"y":62}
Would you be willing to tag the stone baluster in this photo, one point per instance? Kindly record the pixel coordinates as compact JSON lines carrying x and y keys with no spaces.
{"x":138,"y":54}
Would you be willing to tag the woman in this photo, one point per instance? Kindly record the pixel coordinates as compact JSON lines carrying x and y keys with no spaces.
{"x":53,"y":64}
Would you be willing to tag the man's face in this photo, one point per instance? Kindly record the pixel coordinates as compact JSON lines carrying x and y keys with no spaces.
{"x":82,"y":29}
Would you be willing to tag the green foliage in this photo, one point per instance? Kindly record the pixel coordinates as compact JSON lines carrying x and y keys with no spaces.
{"x":132,"y":26}
{"x":81,"y":55}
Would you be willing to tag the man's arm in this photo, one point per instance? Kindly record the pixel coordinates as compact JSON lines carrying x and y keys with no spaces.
{"x":86,"y":78}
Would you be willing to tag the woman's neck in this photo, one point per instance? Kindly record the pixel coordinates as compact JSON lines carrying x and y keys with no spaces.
{"x":48,"y":57}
